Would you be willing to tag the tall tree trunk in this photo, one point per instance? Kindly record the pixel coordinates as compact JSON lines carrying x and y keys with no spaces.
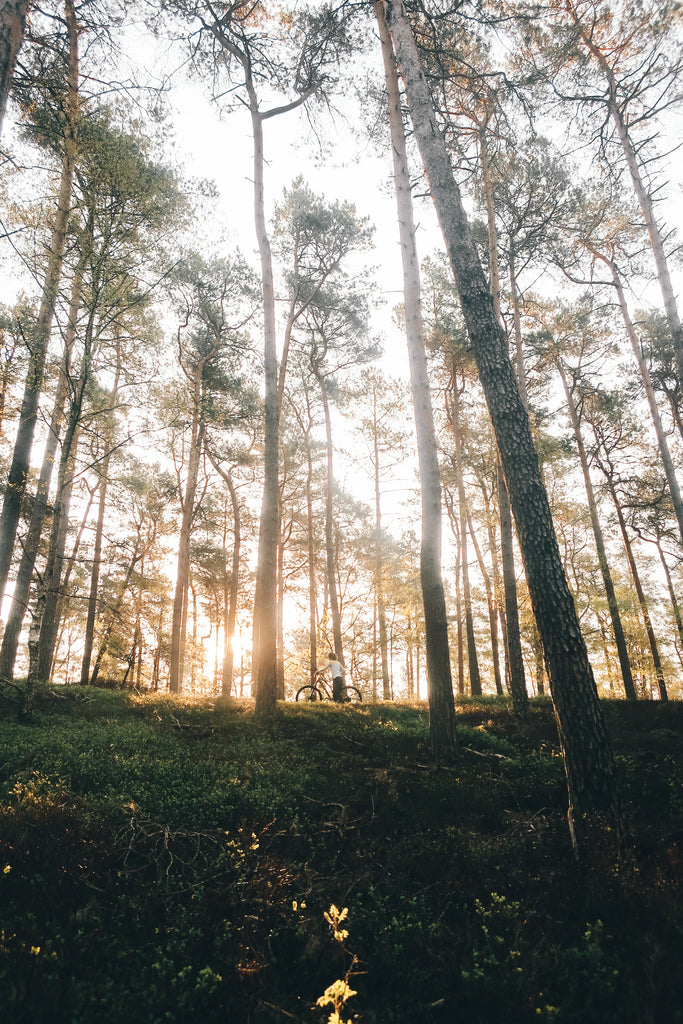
{"x":180,"y":599}
{"x":264,"y":650}
{"x":231,"y":593}
{"x":515,"y":658}
{"x":281,"y":544}
{"x":617,"y":628}
{"x":459,"y":640}
{"x":60,"y":516}
{"x":231,"y":616}
{"x":472,"y":659}
{"x":582,"y":730}
{"x":642,"y":600}
{"x":71,"y":560}
{"x":379,"y":564}
{"x":13,"y":15}
{"x":21,"y":456}
{"x":442,"y":729}
{"x":498,"y":591}
{"x":264,"y":656}
{"x":31,"y":542}
{"x":93,"y":593}
{"x":312,"y":588}
{"x":52,"y":576}
{"x":492,"y":610}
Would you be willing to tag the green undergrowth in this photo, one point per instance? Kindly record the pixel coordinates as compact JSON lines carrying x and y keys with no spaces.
{"x":172,"y":860}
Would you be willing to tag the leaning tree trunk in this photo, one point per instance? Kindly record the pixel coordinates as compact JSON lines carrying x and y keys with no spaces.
{"x":18,"y":473}
{"x":612,"y":604}
{"x":440,"y":684}
{"x":582,"y":730}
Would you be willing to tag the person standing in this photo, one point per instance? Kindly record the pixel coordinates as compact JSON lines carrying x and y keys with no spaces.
{"x":338,"y":673}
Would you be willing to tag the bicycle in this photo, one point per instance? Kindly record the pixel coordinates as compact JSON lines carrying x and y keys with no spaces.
{"x":319,"y":690}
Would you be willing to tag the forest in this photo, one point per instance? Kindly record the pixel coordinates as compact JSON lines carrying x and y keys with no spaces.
{"x":341,"y":331}
{"x":211,"y":475}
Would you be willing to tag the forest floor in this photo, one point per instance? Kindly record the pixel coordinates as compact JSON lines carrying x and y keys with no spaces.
{"x":172,"y":860}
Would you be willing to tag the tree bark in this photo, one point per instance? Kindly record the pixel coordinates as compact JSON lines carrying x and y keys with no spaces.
{"x":440,"y":684}
{"x":582,"y":730}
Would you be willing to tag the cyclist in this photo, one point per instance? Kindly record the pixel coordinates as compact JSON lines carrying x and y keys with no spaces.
{"x":338,"y":673}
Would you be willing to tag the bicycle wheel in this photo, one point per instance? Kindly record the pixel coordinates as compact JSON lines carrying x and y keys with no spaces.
{"x":309,"y":693}
{"x":353,"y":695}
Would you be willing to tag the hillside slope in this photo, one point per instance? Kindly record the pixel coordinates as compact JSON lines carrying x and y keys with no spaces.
{"x":172,"y":860}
